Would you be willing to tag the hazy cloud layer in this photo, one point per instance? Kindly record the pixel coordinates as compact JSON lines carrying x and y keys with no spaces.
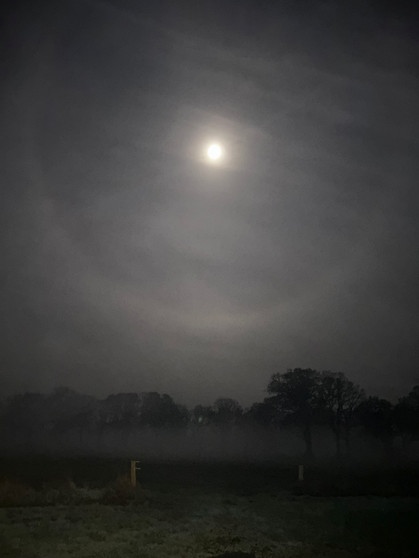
{"x":130,"y":264}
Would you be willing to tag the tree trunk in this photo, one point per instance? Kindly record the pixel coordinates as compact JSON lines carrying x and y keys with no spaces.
{"x":388,"y":445}
{"x":406,"y":439}
{"x":338,"y":440}
{"x":347,"y":441}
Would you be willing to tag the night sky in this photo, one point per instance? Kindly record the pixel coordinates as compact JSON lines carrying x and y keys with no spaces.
{"x":129,"y":263}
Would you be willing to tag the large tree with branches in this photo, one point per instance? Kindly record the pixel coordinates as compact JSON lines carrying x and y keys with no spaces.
{"x":338,"y":400}
{"x":296,"y":396}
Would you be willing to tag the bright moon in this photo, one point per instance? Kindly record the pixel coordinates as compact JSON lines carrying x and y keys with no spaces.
{"x":214,"y":152}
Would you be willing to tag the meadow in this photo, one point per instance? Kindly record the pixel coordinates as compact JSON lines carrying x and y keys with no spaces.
{"x":85,"y":508}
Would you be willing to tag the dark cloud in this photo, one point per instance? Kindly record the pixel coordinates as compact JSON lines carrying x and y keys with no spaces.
{"x":131,"y":264}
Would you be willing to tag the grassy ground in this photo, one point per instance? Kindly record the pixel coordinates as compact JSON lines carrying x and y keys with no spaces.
{"x":197,"y":511}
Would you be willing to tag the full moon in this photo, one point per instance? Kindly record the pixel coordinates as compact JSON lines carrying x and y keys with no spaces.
{"x":214,"y":152}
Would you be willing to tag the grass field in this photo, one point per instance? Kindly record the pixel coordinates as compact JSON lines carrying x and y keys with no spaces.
{"x":202,"y":511}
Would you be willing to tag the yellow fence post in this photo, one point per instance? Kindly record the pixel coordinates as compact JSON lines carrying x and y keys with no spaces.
{"x":133,"y":473}
{"x":300,"y":473}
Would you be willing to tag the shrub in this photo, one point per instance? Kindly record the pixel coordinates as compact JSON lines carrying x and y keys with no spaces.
{"x":13,"y":493}
{"x":120,"y":492}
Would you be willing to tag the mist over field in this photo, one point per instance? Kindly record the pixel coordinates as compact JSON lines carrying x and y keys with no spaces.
{"x":308,"y":416}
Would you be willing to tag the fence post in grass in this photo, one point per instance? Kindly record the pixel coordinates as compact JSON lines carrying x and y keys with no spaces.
{"x":300,"y":473}
{"x":133,"y":473}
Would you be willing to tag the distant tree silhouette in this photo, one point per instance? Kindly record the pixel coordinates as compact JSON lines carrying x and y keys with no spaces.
{"x":338,"y":400}
{"x":25,"y":415}
{"x":406,"y":417}
{"x":377,"y":418}
{"x":202,"y":415}
{"x":299,"y":397}
{"x":264,"y":413}
{"x":159,"y":411}
{"x":226,"y":412}
{"x":120,"y":411}
{"x":296,"y":400}
{"x":68,"y":410}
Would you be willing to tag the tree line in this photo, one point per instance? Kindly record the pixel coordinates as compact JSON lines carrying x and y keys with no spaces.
{"x":299,"y":398}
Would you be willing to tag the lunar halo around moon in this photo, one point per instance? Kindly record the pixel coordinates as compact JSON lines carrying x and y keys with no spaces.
{"x":214,"y":152}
